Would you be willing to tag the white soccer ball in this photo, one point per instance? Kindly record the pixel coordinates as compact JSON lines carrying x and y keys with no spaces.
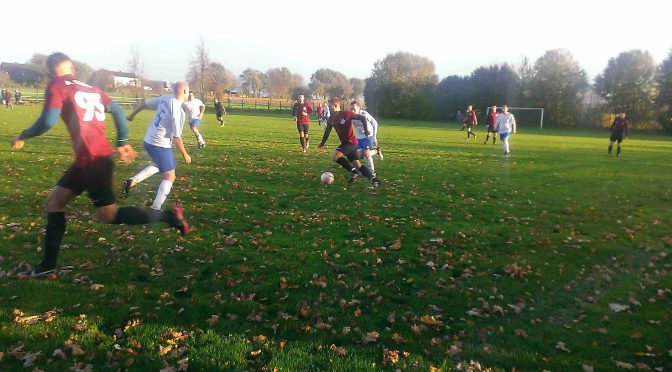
{"x":327,"y":178}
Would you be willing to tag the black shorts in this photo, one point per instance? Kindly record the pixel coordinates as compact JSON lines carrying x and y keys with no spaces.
{"x":492,"y":130}
{"x":95,"y":178}
{"x":615,"y":137}
{"x":302,"y":127}
{"x":349,"y":150}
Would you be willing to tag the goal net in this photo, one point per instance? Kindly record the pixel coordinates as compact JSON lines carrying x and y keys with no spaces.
{"x":526,"y":116}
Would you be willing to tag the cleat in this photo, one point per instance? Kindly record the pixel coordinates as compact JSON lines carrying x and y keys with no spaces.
{"x":38,"y":272}
{"x":507,"y":153}
{"x":353,"y":176}
{"x":375,"y":182}
{"x":180,"y":223}
{"x":126,"y":187}
{"x":304,"y":150}
{"x":380,"y":153}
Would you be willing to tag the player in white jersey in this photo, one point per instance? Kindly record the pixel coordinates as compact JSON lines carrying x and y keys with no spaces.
{"x":195,"y":108}
{"x":506,"y":126}
{"x":165,"y":129}
{"x":367,"y":146}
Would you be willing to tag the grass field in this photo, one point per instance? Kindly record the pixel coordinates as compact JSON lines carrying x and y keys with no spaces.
{"x":557,"y":258}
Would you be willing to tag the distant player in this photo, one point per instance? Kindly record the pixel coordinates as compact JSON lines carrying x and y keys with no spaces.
{"x":301,"y":112}
{"x":346,"y":154}
{"x":367,"y":145}
{"x":470,"y":120}
{"x":8,"y":99}
{"x":459,"y":117}
{"x":194,"y":108}
{"x":506,"y":126}
{"x":164,"y":131}
{"x":619,"y":129}
{"x":83,"y":110}
{"x":323,"y":113}
{"x":220,"y":111}
{"x":492,"y":122}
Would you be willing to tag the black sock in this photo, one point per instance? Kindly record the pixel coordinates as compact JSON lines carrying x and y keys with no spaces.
{"x":610,"y":147}
{"x":345,"y":164}
{"x":618,"y":150}
{"x":303,"y":142}
{"x":53,"y":237}
{"x":366,"y":172}
{"x":141,"y":216}
{"x":307,"y":139}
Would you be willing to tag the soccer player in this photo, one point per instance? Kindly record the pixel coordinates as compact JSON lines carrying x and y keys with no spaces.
{"x":83,"y":109}
{"x":506,"y":126}
{"x":164,"y":130}
{"x":367,"y":145}
{"x":471,"y":121}
{"x":220,"y":111}
{"x":460,"y":119}
{"x":619,"y":128}
{"x":323,"y":113}
{"x":492,"y":121}
{"x":195,"y":108}
{"x":301,"y":111}
{"x":346,"y":154}
{"x":8,"y":99}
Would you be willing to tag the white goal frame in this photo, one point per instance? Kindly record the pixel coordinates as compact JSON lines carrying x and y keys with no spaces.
{"x":541,"y":120}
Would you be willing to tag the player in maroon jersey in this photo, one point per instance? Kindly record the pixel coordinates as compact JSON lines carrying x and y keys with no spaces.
{"x":301,"y":111}
{"x":471,"y":121}
{"x":82,"y":108}
{"x":619,"y":128}
{"x":346,"y":154}
{"x":492,"y":122}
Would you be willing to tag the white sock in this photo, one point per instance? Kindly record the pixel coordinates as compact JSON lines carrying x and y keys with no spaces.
{"x":506,"y":145}
{"x":162,"y":194}
{"x":200,"y":138}
{"x":370,"y":161}
{"x":144,"y":174}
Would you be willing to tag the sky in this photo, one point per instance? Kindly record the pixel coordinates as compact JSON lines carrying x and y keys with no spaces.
{"x":457,"y":35}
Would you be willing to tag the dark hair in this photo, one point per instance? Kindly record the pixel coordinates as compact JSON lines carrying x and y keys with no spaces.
{"x":54,"y":60}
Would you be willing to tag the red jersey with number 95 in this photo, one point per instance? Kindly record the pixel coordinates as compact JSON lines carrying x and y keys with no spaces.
{"x":83,"y":111}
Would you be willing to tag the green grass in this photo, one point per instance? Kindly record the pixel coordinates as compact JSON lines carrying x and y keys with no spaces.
{"x":460,"y":255}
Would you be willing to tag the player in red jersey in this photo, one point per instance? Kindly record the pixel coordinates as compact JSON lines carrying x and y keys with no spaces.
{"x":492,"y":123}
{"x":301,"y":111}
{"x":471,"y":121}
{"x":346,"y":155}
{"x":82,"y":108}
{"x":619,"y":128}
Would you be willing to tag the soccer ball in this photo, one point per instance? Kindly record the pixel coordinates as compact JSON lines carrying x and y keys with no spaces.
{"x":327,"y":178}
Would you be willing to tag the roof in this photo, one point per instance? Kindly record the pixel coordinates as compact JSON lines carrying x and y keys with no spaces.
{"x":123,"y":74}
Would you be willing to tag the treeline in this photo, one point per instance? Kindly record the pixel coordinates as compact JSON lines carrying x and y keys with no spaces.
{"x":404,"y":85}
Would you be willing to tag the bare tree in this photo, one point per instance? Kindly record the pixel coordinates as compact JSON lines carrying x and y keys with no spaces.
{"x":136,"y":67}
{"x":200,"y":65}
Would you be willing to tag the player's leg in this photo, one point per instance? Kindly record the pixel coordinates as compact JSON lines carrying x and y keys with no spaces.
{"x":302,"y":137}
{"x":487,"y":137}
{"x":505,"y":142}
{"x":364,"y":151}
{"x":618,"y":146}
{"x":611,"y":146}
{"x":342,"y":159}
{"x":366,"y":172}
{"x":305,"y":135}
{"x":164,"y":189}
{"x":494,"y":137}
{"x":194,"y":124}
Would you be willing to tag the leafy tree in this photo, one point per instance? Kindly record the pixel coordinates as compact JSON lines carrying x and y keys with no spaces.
{"x":558,"y":85}
{"x":218,"y":80}
{"x":495,"y":84}
{"x":451,"y":94}
{"x":83,"y":71}
{"x":280,"y":80}
{"x":357,"y":86}
{"x":401,"y":85}
{"x":103,"y":79}
{"x":664,"y":98}
{"x":320,"y":81}
{"x":525,"y":72}
{"x":253,"y":82}
{"x":628,"y":83}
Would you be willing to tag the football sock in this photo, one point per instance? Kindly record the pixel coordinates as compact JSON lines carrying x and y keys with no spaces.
{"x":307,"y":139}
{"x":366,"y":172}
{"x":200,"y":138}
{"x":506,"y":146}
{"x":162,"y":194}
{"x":369,"y":160}
{"x":345,"y":164}
{"x":303,"y":142}
{"x":53,"y":237}
{"x":140,"y":216}
{"x":610,"y":148}
{"x":144,"y":174}
{"x":618,"y":150}
{"x":494,"y":139}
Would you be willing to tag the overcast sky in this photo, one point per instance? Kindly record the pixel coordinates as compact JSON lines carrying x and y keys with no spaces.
{"x":457,"y":35}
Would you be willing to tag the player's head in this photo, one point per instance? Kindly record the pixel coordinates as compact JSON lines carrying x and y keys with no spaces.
{"x":58,"y":64}
{"x":335,"y":104}
{"x":469,"y":108}
{"x":216,"y":100}
{"x":191,"y":95}
{"x":494,"y":108}
{"x":505,"y":108}
{"x":300,"y":98}
{"x":181,"y":90}
{"x":622,"y":115}
{"x":355,"y":106}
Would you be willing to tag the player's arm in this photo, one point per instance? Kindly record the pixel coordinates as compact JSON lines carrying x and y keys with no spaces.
{"x":513,"y":123}
{"x":124,"y":149}
{"x":46,"y":121}
{"x":325,"y":136}
{"x":364,"y":121}
{"x":180,"y":147}
{"x":309,"y":107}
{"x":141,"y":106}
{"x":202,"y":110}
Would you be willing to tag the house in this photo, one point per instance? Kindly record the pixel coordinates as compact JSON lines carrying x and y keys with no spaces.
{"x":23,"y":73}
{"x":124,"y":79}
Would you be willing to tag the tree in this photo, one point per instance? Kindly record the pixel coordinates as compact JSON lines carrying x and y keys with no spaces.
{"x":137,"y":69}
{"x":357,"y":86}
{"x":451,"y":94}
{"x":218,"y":79}
{"x":253,"y":82}
{"x":401,"y":85}
{"x":83,"y":71}
{"x":495,"y":84}
{"x":664,"y":98}
{"x":39,"y":62}
{"x":199,"y":68}
{"x":525,"y":72}
{"x":557,"y":86}
{"x":103,"y":79}
{"x":279,"y":81}
{"x":628,"y":83}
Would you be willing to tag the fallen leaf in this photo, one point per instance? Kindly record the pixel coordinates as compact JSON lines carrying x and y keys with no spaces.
{"x":520,"y":333}
{"x":618,"y":307}
{"x":77,"y":350}
{"x":59,"y":353}
{"x":338,"y":350}
{"x":623,"y":365}
{"x":212,"y":321}
{"x":587,"y":368}
{"x":561,"y":346}
{"x":370,"y":337}
{"x":390,"y":356}
{"x":429,"y":320}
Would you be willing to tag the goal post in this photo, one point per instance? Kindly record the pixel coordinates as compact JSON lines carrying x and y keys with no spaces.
{"x":526,"y":114}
